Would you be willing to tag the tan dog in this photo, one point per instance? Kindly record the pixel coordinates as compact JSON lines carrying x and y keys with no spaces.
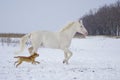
{"x":27,"y":59}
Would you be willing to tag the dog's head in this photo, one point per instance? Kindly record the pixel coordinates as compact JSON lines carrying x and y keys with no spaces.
{"x":35,"y":55}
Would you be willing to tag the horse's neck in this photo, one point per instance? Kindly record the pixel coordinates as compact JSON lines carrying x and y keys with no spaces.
{"x":69,"y":33}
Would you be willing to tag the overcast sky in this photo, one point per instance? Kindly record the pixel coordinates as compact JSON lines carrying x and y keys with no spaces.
{"x":23,"y":16}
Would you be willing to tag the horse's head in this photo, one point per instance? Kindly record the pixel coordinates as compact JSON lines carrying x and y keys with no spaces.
{"x":80,"y":28}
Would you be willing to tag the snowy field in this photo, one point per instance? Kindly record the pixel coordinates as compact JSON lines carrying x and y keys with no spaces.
{"x":94,"y":58}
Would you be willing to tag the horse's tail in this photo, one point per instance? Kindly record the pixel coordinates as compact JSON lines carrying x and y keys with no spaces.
{"x":22,"y":42}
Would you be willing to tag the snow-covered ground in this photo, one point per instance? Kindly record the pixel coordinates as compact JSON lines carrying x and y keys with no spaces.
{"x":94,"y":58}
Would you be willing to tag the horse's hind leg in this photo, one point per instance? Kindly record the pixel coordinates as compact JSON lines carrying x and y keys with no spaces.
{"x":35,"y":46}
{"x":34,"y":50}
{"x":30,"y":49}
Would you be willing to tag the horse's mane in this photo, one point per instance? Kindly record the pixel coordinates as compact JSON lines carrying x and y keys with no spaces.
{"x":66,"y":27}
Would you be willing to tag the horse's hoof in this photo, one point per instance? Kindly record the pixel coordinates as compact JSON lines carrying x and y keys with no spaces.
{"x":64,"y":62}
{"x":67,"y":63}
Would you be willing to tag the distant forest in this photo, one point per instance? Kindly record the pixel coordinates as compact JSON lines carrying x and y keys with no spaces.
{"x":104,"y":21}
{"x":11,"y":35}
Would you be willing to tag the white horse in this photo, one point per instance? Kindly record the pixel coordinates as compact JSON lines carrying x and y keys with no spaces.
{"x":56,"y":40}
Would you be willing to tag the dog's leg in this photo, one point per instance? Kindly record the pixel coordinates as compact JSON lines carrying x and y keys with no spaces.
{"x":18,"y":64}
{"x":34,"y":62}
{"x":15,"y":62}
{"x":37,"y":62}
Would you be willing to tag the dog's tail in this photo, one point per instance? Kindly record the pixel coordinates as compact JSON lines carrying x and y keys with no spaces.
{"x":22,"y":42}
{"x":16,"y":56}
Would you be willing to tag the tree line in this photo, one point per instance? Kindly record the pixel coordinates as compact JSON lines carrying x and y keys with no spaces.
{"x":7,"y":38}
{"x":104,"y":21}
{"x":11,"y":35}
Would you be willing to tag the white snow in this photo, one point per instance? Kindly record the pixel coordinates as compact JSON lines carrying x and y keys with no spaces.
{"x":94,"y":58}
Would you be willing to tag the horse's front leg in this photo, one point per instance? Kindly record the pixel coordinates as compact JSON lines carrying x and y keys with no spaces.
{"x":65,"y":60}
{"x":67,"y":54}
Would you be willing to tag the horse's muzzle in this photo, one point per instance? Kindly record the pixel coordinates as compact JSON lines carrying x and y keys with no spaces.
{"x":86,"y":33}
